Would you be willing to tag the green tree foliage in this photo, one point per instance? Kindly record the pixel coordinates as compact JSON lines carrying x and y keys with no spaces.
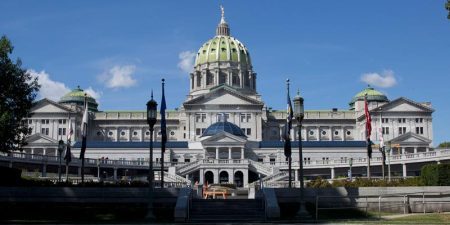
{"x":436,"y":175}
{"x":447,"y":6}
{"x":444,"y":145}
{"x":17,"y":93}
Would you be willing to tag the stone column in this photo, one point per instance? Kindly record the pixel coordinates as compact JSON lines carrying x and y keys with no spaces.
{"x":202,"y":176}
{"x":415,"y":150}
{"x":115,"y":174}
{"x":332,"y":173}
{"x":281,"y":133}
{"x":427,"y":149}
{"x":229,"y":153}
{"x":296,"y":175}
{"x":217,"y":153}
{"x":245,"y":181}
{"x":231,"y":176}
{"x":44,"y":151}
{"x":242,"y":153}
{"x":404,"y":170}
{"x":216,"y":176}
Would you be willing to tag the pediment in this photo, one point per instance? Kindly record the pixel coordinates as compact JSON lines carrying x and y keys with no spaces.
{"x":403,"y":105}
{"x":40,"y":139}
{"x":224,"y":95}
{"x":48,"y":106}
{"x":410,"y":138}
{"x":224,"y":138}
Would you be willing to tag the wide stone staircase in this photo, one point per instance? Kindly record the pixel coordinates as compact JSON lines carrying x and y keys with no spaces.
{"x":227,"y":210}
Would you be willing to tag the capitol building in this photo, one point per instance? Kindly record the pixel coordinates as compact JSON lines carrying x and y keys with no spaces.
{"x":225,"y":133}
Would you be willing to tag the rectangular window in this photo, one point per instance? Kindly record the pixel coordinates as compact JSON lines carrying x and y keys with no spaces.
{"x":249,"y":131}
{"x":385,"y":130}
{"x":246,"y":117}
{"x":401,"y":130}
{"x":198,"y":132}
{"x":385,"y":120}
{"x":44,"y":131}
{"x":200,"y":117}
{"x":419,"y":130}
{"x":401,"y":120}
{"x":45,"y":121}
{"x":174,"y":160}
{"x":187,"y":160}
{"x":260,"y":160}
{"x":30,"y":121}
{"x":223,"y":117}
{"x":62,"y":121}
{"x":184,"y":135}
{"x":419,"y":120}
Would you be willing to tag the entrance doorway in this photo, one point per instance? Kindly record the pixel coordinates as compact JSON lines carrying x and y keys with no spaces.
{"x":223,"y":177}
{"x":239,"y":179}
{"x":209,"y":177}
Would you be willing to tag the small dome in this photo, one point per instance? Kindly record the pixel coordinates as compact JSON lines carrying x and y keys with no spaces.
{"x":223,"y":48}
{"x":223,"y":126}
{"x":76,"y":96}
{"x":372,"y":96}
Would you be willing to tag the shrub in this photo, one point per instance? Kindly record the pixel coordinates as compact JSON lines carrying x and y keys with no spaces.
{"x":436,"y":175}
{"x":319,"y":182}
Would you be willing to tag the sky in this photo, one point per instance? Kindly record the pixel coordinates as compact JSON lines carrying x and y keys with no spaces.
{"x":119,"y":50}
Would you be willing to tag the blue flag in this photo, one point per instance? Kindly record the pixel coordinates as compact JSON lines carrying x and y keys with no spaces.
{"x":163,"y":116}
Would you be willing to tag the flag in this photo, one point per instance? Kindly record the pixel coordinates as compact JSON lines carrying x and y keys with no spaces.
{"x":84,"y":125}
{"x":380,"y":134}
{"x":288,"y":127}
{"x":163,"y":117}
{"x":368,"y":127}
{"x":68,"y":154}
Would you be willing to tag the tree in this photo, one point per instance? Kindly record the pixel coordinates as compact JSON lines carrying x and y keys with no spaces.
{"x":447,"y":6}
{"x":17,"y":93}
{"x":444,"y":145}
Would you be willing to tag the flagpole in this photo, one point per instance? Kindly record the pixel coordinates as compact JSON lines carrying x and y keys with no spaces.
{"x":84,"y":134}
{"x":368,"y":132}
{"x":163,"y":132}
{"x":68,"y":156}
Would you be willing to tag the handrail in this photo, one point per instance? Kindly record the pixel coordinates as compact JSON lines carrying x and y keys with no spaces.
{"x":405,"y":202}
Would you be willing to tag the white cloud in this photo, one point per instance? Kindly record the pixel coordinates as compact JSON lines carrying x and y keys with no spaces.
{"x":384,"y":80}
{"x":50,"y":89}
{"x":186,"y":63}
{"x":119,"y":77}
{"x":95,"y":94}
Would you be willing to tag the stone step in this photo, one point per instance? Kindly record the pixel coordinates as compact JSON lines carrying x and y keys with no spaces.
{"x":226,"y":218}
{"x":216,"y":210}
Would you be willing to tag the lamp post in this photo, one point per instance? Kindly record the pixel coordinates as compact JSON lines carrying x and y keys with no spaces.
{"x":60,"y":150}
{"x":299,"y":114}
{"x":151,"y":120}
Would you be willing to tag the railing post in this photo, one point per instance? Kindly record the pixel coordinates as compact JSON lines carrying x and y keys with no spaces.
{"x":379,"y":207}
{"x":317,"y":207}
{"x":404,"y":204}
{"x":423,"y":202}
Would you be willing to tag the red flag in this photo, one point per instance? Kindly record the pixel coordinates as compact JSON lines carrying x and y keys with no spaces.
{"x":368,"y":119}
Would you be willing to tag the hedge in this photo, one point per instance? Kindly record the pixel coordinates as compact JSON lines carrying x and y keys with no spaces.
{"x":436,"y":175}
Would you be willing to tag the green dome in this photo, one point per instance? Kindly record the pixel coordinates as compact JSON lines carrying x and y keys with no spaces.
{"x":372,"y":96}
{"x":223,"y":48}
{"x":76,"y":96}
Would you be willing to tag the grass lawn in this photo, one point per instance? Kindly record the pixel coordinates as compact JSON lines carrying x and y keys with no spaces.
{"x":432,"y":218}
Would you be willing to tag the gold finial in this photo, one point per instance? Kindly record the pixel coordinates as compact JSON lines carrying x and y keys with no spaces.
{"x":222,"y":20}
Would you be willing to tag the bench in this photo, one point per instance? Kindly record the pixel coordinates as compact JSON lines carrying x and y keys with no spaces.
{"x":213,"y":193}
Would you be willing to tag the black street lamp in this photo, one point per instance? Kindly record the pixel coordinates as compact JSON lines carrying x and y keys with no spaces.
{"x":60,"y":150}
{"x":151,"y":120}
{"x":299,"y":114}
